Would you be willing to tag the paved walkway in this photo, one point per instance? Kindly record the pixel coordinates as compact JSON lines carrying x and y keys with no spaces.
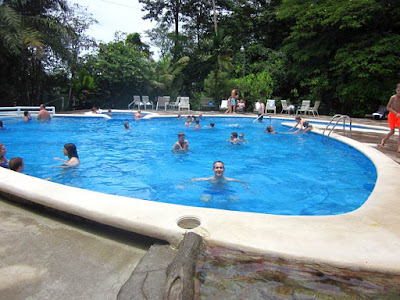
{"x":48,"y":257}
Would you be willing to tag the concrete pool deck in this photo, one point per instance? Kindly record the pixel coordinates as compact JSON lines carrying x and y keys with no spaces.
{"x":368,"y":238}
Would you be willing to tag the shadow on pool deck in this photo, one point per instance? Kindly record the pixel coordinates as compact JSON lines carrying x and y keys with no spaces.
{"x":48,"y":257}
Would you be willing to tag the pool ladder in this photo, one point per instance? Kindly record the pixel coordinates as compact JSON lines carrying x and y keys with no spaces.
{"x":338,"y":118}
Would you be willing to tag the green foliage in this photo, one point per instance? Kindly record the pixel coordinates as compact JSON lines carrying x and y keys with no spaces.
{"x":85,"y":89}
{"x":259,"y":85}
{"x":343,"y":52}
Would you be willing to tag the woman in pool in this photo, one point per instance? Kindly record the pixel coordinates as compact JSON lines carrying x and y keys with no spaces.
{"x":305,"y":125}
{"x":27,"y":116}
{"x":3,"y":159}
{"x":73,"y":158}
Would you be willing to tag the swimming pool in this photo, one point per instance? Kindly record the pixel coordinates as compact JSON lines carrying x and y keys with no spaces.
{"x":287,"y":174}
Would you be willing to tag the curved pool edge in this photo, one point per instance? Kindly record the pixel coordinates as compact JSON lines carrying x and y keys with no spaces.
{"x":367,"y":238}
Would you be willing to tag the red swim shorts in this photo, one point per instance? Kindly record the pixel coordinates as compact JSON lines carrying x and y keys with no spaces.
{"x":393,"y":121}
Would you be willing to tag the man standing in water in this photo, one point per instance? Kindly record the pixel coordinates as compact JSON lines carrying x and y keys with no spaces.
{"x":260,"y":110}
{"x":43,"y":114}
{"x":218,"y":169}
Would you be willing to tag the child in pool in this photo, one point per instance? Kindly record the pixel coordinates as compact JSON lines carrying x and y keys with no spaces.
{"x":304,"y":125}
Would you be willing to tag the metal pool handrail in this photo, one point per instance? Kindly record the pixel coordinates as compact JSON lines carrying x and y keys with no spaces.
{"x":338,"y":117}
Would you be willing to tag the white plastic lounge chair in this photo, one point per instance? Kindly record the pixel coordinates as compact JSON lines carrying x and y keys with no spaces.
{"x":162,"y":102}
{"x":137,"y":102}
{"x":174,"y":105}
{"x":224,"y":105}
{"x":305,"y":106}
{"x":184,"y":103}
{"x":314,"y":109}
{"x":284,"y":106}
{"x":147,"y":102}
{"x":270,"y":106}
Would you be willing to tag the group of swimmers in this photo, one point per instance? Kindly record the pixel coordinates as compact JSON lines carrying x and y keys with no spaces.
{"x":17,"y":163}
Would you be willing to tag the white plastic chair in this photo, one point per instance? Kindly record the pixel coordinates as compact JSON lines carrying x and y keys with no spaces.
{"x":137,"y":102}
{"x":314,"y":109}
{"x":162,"y":102}
{"x":224,"y":105}
{"x":184,"y":103}
{"x":284,"y":106}
{"x":147,"y":102}
{"x":270,"y":106}
{"x":175,"y":104}
{"x":305,"y":106}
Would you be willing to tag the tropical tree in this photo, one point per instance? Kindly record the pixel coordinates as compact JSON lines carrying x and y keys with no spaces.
{"x":343,"y":52}
{"x":120,"y":70}
{"x":217,"y":54}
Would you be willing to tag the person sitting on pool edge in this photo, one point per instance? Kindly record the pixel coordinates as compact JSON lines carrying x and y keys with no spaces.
{"x":73,"y":158}
{"x":16,"y":164}
{"x":303,"y":124}
{"x":181,"y":144}
{"x":218,"y":169}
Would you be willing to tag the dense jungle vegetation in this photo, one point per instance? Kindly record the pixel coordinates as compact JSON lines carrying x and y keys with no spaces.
{"x":343,"y":52}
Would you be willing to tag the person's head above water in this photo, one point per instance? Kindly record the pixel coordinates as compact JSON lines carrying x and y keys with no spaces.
{"x":181,"y":136}
{"x":16,"y":164}
{"x":70,"y":150}
{"x":218,"y":169}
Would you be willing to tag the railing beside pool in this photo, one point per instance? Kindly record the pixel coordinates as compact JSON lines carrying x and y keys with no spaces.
{"x":18,"y":110}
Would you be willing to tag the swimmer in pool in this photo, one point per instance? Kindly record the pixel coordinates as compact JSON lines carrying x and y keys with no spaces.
{"x":270,"y":129}
{"x":305,"y":125}
{"x":126,"y":125}
{"x":3,"y":159}
{"x":218,"y":169}
{"x":27,"y":116}
{"x":73,"y":158}
{"x":241,"y":139}
{"x":16,"y":164}
{"x":138,"y":115}
{"x":181,"y":144}
{"x":218,"y":183}
{"x":234,"y":139}
{"x":197,"y":124}
{"x":188,"y":121}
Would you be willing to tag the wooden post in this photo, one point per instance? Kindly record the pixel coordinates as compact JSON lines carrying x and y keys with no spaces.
{"x":179,"y":283}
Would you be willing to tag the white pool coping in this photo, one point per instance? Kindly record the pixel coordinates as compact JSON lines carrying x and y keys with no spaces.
{"x":367,"y":238}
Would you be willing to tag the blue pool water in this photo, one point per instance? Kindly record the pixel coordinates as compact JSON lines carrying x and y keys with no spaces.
{"x":287,"y":174}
